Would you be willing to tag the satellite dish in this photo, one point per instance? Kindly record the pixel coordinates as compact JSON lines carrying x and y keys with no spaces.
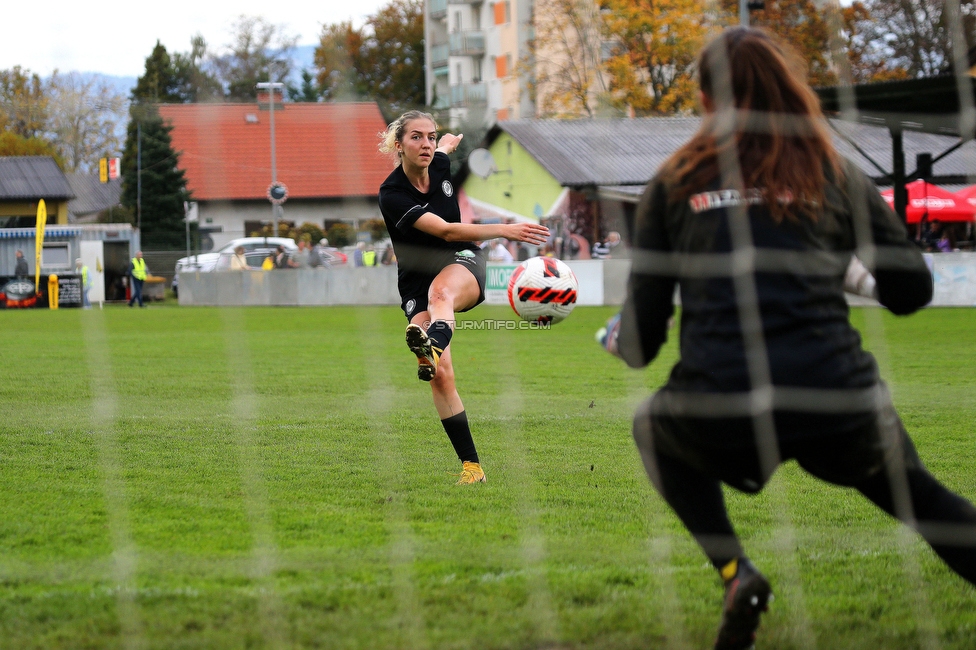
{"x":482,"y":163}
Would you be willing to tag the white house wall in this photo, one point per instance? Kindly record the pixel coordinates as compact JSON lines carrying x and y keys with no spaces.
{"x":229,"y":216}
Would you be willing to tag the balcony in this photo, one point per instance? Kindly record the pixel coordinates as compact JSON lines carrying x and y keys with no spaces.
{"x":438,"y":55}
{"x":470,"y":42}
{"x":468,"y":94}
{"x":437,"y":9}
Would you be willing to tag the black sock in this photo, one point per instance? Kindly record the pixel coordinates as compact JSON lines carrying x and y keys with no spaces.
{"x":439,"y":334}
{"x":459,"y":432}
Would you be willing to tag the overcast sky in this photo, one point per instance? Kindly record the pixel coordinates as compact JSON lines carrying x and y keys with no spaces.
{"x":116,"y":37}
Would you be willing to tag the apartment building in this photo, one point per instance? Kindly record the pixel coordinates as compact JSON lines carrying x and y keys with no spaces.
{"x":473,"y":50}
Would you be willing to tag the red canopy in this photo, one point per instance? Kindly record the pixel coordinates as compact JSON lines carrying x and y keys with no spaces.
{"x":968,"y":194}
{"x":939,"y":204}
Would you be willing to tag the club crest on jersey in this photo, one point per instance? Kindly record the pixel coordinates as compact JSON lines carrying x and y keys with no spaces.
{"x":447,"y":188}
{"x":411,"y":305}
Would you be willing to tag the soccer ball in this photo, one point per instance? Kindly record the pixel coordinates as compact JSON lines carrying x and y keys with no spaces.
{"x":543,"y":289}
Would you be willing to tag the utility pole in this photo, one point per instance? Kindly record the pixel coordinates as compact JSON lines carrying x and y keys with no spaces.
{"x":271,"y":87}
{"x":139,"y":178}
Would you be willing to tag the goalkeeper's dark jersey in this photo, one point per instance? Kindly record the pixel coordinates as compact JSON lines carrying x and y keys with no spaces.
{"x":800,"y":265}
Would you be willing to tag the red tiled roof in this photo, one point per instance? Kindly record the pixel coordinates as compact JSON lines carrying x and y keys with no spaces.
{"x":322,"y":150}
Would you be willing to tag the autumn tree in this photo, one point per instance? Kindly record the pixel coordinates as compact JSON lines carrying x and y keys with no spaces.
{"x":654,"y":46}
{"x":12,"y":144}
{"x":258,"y":51}
{"x":382,"y":61}
{"x":23,"y":102}
{"x":564,"y":62}
{"x":804,"y":25}
{"x":336,"y":58}
{"x":85,"y":114}
{"x":916,"y":35}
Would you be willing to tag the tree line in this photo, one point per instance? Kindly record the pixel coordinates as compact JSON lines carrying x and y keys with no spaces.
{"x":638,"y":56}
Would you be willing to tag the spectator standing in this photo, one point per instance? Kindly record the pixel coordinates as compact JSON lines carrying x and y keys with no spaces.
{"x":301,"y":258}
{"x":499,"y":252}
{"x":20,"y":267}
{"x":357,"y":255}
{"x":82,"y":270}
{"x":138,"y":271}
{"x":239,"y":262}
{"x":369,"y":257}
{"x":604,"y":250}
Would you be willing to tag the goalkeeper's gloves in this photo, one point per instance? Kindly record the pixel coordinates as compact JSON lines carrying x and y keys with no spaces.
{"x":607,"y":335}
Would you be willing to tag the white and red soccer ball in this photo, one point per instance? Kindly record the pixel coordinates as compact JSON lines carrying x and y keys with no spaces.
{"x":543,"y":289}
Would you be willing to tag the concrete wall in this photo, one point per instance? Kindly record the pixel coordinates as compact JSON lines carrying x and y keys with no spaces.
{"x":602,"y":282}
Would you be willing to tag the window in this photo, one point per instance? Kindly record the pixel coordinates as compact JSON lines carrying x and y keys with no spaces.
{"x":502,"y":12}
{"x":476,"y":71}
{"x":457,"y":21}
{"x":501,"y":68}
{"x":458,"y":79}
{"x":55,"y":256}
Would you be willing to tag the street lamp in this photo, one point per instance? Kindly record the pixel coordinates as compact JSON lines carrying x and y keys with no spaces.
{"x":271,"y":86}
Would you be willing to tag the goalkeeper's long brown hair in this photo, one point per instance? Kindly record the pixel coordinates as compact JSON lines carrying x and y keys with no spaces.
{"x":781,"y":137}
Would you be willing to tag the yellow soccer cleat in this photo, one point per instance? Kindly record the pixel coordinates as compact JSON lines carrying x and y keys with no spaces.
{"x":427,"y":354}
{"x":471,"y":473}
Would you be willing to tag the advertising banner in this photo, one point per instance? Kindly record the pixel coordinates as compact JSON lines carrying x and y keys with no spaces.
{"x":18,"y":293}
{"x":496,"y":283}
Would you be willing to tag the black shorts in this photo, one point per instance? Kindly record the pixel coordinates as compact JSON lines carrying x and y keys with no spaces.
{"x":841,"y":449}
{"x":415,"y":287}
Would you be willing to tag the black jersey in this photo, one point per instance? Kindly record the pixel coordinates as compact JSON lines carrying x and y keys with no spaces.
{"x":799,"y":274}
{"x":418,"y":253}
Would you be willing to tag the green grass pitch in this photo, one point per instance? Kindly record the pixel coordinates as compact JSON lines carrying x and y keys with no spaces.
{"x":278,"y":478}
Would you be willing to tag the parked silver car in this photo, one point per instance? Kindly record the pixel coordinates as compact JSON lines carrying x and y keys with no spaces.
{"x":206,"y":262}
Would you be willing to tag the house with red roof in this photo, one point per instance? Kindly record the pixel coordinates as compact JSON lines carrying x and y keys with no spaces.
{"x":326,"y":156}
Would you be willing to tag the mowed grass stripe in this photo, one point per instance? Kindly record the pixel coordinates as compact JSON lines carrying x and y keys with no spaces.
{"x":340,"y":567}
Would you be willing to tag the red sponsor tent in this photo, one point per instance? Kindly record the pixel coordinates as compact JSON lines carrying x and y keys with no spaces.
{"x":968,"y":194}
{"x":940,"y":204}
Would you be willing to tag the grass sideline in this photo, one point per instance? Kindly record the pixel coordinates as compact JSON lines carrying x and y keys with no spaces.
{"x":276,"y":477}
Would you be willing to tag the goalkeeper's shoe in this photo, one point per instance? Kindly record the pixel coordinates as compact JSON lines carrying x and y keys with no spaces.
{"x":427,"y":355}
{"x":471,"y":473}
{"x":747,"y":595}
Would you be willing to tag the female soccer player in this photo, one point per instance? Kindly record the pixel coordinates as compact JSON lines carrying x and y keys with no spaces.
{"x":441,"y":271}
{"x":756,"y":218}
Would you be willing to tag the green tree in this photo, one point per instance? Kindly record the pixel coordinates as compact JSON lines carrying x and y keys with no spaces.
{"x":159,"y":83}
{"x":340,"y":234}
{"x":194,"y":82}
{"x":309,"y":92}
{"x":163,"y":183}
{"x":259,"y":51}
{"x":382,"y":61}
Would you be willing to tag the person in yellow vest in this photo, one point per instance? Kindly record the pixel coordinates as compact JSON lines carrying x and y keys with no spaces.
{"x":139,"y":272}
{"x":369,"y":257}
{"x":82,"y":270}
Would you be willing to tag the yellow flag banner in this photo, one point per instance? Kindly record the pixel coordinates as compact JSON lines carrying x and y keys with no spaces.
{"x":39,"y":240}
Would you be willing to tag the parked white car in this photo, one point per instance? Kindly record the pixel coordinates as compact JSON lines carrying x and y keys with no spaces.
{"x":206,"y":262}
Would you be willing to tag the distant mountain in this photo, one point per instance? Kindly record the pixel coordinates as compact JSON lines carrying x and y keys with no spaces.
{"x":302,"y":58}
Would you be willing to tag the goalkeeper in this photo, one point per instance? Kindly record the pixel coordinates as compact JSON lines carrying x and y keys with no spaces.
{"x":755,"y":219}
